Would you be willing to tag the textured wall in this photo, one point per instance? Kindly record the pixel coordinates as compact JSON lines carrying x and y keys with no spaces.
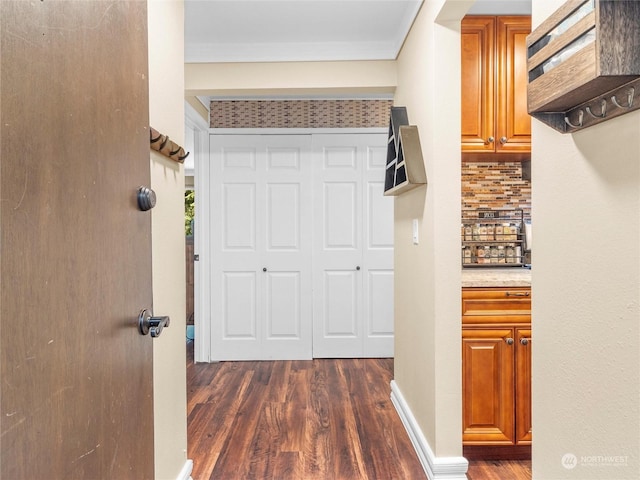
{"x":300,"y":113}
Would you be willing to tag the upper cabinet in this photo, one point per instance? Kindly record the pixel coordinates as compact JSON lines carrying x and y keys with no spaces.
{"x":495,"y":119}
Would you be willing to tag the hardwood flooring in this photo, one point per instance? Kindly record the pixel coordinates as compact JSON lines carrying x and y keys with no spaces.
{"x":318,"y":419}
{"x":303,"y":420}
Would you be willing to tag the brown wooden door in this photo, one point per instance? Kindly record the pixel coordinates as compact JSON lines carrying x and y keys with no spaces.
{"x":513,"y":123}
{"x":523,"y":386}
{"x":478,"y":88}
{"x":75,"y":252}
{"x":487,"y":386}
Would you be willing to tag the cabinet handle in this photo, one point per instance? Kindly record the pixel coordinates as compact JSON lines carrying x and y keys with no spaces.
{"x":518,"y":294}
{"x":490,"y":140}
{"x":524,"y":341}
{"x":509,"y":341}
{"x":503,"y":140}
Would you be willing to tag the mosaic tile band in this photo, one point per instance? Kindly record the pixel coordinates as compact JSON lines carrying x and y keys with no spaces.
{"x":300,"y":113}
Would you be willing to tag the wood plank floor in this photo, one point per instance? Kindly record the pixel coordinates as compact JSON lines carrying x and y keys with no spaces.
{"x":302,"y":420}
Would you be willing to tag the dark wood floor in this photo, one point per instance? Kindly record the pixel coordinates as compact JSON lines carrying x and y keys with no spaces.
{"x":304,"y":420}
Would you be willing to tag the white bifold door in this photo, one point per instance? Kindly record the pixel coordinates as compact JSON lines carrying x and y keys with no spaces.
{"x":353,"y":248}
{"x":301,"y":242}
{"x":261,"y":247}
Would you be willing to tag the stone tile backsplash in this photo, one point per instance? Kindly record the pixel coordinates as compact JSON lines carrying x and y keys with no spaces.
{"x":300,"y":113}
{"x":495,"y":185}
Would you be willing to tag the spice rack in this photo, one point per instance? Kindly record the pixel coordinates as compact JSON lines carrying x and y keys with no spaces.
{"x":492,"y":238}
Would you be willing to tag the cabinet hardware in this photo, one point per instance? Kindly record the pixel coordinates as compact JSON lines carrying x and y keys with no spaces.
{"x":524,"y":341}
{"x":509,"y":341}
{"x":503,"y":140}
{"x":264,"y":269}
{"x":518,"y":294}
{"x":490,"y":140}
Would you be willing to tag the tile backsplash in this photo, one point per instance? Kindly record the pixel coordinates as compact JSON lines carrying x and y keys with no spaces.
{"x":495,"y":185}
{"x":300,"y":113}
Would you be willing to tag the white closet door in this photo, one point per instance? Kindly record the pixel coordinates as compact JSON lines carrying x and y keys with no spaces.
{"x":260,"y":247}
{"x":353,"y":248}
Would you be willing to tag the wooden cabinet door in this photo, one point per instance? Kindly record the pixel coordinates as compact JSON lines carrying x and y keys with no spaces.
{"x":523,"y":386}
{"x":513,"y":124}
{"x":487,"y":386}
{"x":477,"y":56}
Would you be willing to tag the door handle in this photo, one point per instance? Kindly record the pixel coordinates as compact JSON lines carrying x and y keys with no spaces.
{"x":147,"y":323}
{"x":146,"y":198}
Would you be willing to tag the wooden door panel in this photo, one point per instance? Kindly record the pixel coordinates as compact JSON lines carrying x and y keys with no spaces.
{"x":478,"y":50}
{"x":487,"y":386}
{"x":523,"y":386}
{"x":513,"y":122}
{"x":76,"y":376}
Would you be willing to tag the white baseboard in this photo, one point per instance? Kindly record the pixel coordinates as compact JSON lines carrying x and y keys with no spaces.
{"x":436,"y":468}
{"x":185,"y":473}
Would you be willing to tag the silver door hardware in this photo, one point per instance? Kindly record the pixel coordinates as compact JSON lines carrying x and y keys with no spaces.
{"x":147,"y":323}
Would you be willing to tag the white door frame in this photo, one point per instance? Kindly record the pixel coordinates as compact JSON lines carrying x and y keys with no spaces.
{"x":202,"y":247}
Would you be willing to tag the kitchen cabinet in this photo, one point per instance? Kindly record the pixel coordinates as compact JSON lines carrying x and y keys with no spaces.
{"x":495,"y":119}
{"x":496,"y":372}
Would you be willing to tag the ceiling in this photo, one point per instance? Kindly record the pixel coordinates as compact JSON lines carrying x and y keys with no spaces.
{"x":296,"y":30}
{"x":307,"y":30}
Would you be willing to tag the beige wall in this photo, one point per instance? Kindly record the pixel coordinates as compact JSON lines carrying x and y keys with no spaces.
{"x":586,"y":296}
{"x":293,"y":78}
{"x":427,"y":276}
{"x":166,"y":114}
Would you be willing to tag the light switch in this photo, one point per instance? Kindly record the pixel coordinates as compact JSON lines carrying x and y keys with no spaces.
{"x":415,"y":231}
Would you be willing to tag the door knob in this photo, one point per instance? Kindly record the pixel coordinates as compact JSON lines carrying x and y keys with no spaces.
{"x":358,"y":267}
{"x":147,"y":323}
{"x":146,"y":198}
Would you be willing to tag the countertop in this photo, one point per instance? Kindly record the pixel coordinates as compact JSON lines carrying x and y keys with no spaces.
{"x":496,"y":277}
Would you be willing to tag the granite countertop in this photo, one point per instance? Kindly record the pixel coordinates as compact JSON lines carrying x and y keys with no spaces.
{"x":496,"y":277}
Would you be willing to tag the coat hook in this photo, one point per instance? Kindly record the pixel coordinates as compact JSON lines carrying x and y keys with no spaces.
{"x":630,"y":95}
{"x":164,"y":142}
{"x":603,"y":110}
{"x":154,"y":140}
{"x":175,"y":151}
{"x":580,"y":119}
{"x":184,"y":156}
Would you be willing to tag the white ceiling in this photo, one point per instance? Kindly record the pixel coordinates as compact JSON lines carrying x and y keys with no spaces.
{"x":296,"y":30}
{"x":307,"y":30}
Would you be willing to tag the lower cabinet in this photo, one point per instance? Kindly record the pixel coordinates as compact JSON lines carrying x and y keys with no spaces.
{"x":496,"y":368}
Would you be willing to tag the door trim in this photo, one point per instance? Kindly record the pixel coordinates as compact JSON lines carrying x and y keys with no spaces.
{"x":202,"y":347}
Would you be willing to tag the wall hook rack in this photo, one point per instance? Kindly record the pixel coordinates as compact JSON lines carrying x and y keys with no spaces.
{"x":608,"y":105}
{"x":168,"y":148}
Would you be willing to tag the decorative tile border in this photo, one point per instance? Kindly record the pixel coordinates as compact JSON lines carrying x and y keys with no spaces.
{"x":300,"y":113}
